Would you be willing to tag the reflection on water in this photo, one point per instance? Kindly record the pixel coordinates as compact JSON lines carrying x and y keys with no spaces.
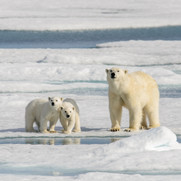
{"x":65,"y":141}
{"x":58,"y":141}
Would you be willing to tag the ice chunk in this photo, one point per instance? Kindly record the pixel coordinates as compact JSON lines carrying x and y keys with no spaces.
{"x":158,"y":139}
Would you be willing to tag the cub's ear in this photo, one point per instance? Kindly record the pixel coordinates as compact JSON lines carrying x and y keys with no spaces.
{"x":107,"y":70}
{"x":49,"y":98}
{"x":125,"y":71}
{"x":73,"y":108}
{"x":61,"y":98}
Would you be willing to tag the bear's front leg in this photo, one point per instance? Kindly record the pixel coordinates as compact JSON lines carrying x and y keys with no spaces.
{"x":64,"y":124}
{"x":115,"y":109}
{"x":43,"y":126}
{"x":77,"y":124}
{"x":115,"y":119}
{"x":53,"y":122}
{"x":71,"y":124}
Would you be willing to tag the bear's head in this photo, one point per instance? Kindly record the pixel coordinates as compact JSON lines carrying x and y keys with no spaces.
{"x":55,"y":102}
{"x":67,"y":110}
{"x":115,"y":74}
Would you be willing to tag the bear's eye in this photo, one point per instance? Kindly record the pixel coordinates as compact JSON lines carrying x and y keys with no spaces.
{"x":111,"y":71}
{"x":117,"y":70}
{"x":56,"y":100}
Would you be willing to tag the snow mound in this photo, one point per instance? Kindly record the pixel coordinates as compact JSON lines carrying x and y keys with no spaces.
{"x":158,"y":139}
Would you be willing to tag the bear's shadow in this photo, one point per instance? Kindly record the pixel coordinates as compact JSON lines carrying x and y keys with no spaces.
{"x":13,"y":130}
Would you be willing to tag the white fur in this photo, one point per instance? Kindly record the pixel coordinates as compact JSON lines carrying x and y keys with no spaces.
{"x":139,"y":93}
{"x":40,"y":111}
{"x":70,"y":108}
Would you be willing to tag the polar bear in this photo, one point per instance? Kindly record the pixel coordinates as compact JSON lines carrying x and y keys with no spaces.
{"x":136,"y":91}
{"x":69,"y":116}
{"x":41,"y":111}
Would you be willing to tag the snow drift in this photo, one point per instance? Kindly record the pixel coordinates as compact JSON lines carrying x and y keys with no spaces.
{"x":158,"y":139}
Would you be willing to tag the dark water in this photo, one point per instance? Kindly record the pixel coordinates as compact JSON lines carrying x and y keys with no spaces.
{"x":65,"y":141}
{"x":84,"y":38}
{"x":59,"y":141}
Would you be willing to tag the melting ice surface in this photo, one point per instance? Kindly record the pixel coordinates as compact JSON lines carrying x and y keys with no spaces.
{"x":62,"y":49}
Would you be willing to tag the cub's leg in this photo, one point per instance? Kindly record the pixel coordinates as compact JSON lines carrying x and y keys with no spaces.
{"x":77,"y":124}
{"x":29,"y":120}
{"x":43,"y":125}
{"x":71,"y":124}
{"x":52,"y":125}
{"x":64,"y":123}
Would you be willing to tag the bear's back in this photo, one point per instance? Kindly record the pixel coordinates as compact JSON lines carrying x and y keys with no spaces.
{"x":143,"y":78}
{"x":71,"y":101}
{"x":36,"y":105}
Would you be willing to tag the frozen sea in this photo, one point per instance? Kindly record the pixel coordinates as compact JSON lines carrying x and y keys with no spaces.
{"x":62,"y":48}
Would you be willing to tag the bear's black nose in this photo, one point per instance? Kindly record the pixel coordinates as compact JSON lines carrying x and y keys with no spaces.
{"x":53,"y":103}
{"x":113,"y":75}
{"x":68,"y":116}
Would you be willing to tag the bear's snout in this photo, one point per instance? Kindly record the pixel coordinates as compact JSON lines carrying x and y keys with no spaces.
{"x":113,"y":75}
{"x":67,"y":116}
{"x":53,"y":103}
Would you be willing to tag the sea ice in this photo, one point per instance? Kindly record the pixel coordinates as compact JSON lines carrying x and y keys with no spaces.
{"x":158,"y":139}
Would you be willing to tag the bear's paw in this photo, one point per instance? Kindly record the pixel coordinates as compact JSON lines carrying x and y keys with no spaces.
{"x":53,"y":131}
{"x":66,"y":132}
{"x":76,"y":130}
{"x":45,"y":131}
{"x":114,"y":129}
{"x":130,"y":129}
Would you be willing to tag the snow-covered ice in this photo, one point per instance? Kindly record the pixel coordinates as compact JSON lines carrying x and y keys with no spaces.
{"x":62,"y":48}
{"x":103,"y":14}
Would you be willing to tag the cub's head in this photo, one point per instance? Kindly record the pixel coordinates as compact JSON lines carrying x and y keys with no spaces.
{"x":55,"y":102}
{"x":67,"y":110}
{"x":114,"y":74}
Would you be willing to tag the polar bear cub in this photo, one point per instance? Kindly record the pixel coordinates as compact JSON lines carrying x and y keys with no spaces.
{"x":69,"y":116}
{"x":136,"y":91}
{"x":40,"y":111}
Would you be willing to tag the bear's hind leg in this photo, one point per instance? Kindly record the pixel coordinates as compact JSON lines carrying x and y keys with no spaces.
{"x":143,"y":122}
{"x":135,"y":119}
{"x":153,"y":117}
{"x":29,"y":120}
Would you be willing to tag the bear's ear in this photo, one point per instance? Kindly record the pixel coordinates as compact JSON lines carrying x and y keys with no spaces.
{"x":61,"y":98}
{"x":49,"y":98}
{"x":107,"y":70}
{"x":125,"y":71}
{"x":73,"y":108}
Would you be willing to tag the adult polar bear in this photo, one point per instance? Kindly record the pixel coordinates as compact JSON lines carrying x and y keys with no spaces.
{"x":139,"y":93}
